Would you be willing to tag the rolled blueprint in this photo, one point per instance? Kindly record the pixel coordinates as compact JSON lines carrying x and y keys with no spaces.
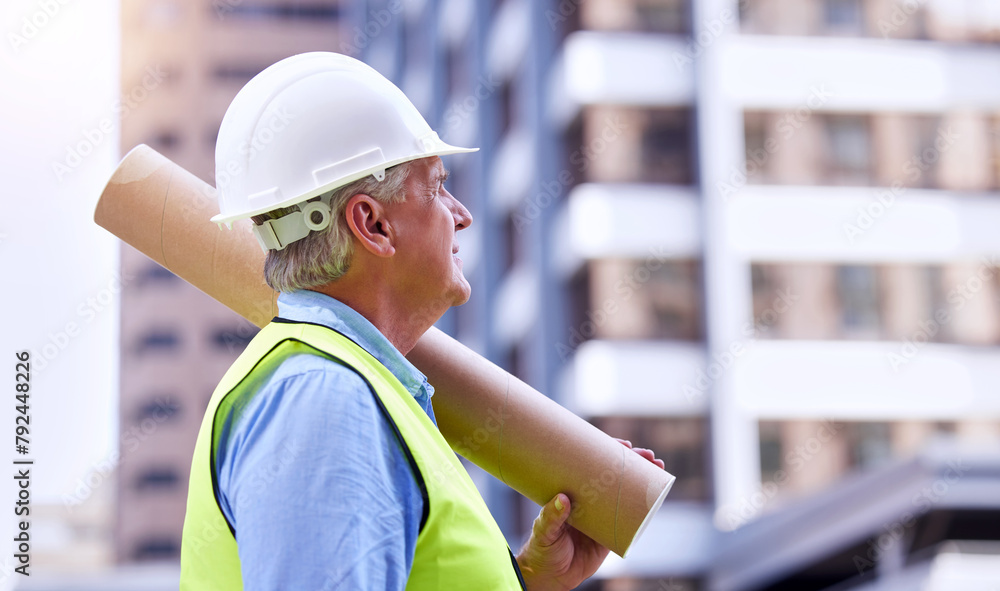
{"x":488,"y":416}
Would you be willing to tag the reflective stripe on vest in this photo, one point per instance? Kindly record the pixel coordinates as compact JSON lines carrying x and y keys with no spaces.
{"x":459,"y":545}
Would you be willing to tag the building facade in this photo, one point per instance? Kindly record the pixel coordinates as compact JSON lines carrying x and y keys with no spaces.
{"x":183,"y":61}
{"x":753,"y":236}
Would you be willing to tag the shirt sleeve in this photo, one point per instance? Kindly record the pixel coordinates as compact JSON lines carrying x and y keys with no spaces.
{"x":317,"y":486}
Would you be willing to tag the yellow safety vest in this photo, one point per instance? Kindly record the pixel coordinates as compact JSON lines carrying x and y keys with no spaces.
{"x":459,"y":545}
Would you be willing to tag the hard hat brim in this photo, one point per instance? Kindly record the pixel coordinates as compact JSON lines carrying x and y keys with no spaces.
{"x":440,"y":148}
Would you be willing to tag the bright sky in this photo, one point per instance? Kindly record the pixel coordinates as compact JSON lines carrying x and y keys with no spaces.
{"x":59,"y":63}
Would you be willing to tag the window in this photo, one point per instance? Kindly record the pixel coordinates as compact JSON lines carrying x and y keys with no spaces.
{"x":165,"y":140}
{"x":667,"y":147}
{"x":237,"y":74}
{"x":857,"y":290}
{"x":870,"y":444}
{"x":234,"y":340}
{"x":848,"y":150}
{"x":679,"y":442}
{"x":280,"y":10}
{"x":770,"y":450}
{"x":158,"y":408}
{"x":158,"y":548}
{"x":155,"y":273}
{"x":160,"y":478}
{"x":643,"y":299}
{"x":158,"y":340}
{"x":843,"y":17}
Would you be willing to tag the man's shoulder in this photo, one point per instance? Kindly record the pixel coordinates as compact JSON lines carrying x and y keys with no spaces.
{"x":302,"y":362}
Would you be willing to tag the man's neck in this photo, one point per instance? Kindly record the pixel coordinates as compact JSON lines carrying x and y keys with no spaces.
{"x":392,"y":316}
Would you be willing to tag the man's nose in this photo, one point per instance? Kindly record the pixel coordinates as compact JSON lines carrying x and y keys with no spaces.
{"x":463,"y":219}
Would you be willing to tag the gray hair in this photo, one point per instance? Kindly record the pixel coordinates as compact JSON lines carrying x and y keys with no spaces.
{"x":325,"y":255}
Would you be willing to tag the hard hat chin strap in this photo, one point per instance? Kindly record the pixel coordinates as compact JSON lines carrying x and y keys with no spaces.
{"x":278,"y":233}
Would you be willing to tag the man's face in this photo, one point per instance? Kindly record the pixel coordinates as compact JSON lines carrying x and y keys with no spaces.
{"x":426,"y":224}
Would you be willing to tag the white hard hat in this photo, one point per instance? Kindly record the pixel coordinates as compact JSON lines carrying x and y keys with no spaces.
{"x":307,"y":125}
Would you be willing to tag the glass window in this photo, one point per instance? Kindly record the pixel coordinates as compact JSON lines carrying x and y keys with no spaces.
{"x":234,"y":340}
{"x":158,"y":340}
{"x":155,"y":273}
{"x":642,"y":299}
{"x":156,"y":549}
{"x":849,"y":150}
{"x":679,"y":442}
{"x":158,"y":478}
{"x":870,"y":444}
{"x":843,"y":16}
{"x":857,"y":291}
{"x":158,"y":408}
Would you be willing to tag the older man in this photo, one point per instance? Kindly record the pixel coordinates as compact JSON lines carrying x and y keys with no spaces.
{"x":319,"y":465}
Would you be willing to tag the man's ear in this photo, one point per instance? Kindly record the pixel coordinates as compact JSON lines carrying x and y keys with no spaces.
{"x":366,"y":217}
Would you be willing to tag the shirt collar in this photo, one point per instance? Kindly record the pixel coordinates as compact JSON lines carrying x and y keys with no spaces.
{"x":318,"y":308}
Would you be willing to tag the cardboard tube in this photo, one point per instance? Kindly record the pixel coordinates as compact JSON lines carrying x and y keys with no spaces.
{"x":537,"y":447}
{"x":493,"y":419}
{"x":163,"y":211}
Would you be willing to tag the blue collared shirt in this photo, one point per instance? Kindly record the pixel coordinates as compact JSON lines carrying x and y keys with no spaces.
{"x":311,"y":475}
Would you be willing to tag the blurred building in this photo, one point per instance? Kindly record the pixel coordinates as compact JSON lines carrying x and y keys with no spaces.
{"x":757,"y":237}
{"x":183,"y":61}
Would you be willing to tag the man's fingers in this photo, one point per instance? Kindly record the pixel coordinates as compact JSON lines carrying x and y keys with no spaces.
{"x":649,"y":455}
{"x":551,"y":520}
{"x":645,"y":453}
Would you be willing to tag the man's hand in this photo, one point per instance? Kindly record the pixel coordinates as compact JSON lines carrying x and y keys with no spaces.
{"x":557,"y":556}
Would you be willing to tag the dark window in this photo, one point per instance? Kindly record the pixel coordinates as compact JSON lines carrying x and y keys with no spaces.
{"x":849,"y":150}
{"x":641,"y":299}
{"x":871,"y":444}
{"x":664,"y":16}
{"x":285,"y":10}
{"x":165,"y":140}
{"x":159,"y":408}
{"x":234,"y":340}
{"x":236,"y":73}
{"x":157,"y":479}
{"x":679,"y":442}
{"x":156,"y":274}
{"x":666,"y":147}
{"x":843,"y":16}
{"x":156,"y":549}
{"x":770,"y":450}
{"x":158,"y":340}
{"x":857,"y":290}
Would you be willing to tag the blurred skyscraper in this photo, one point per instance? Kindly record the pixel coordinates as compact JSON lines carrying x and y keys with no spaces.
{"x":757,"y":237}
{"x":183,"y":62}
